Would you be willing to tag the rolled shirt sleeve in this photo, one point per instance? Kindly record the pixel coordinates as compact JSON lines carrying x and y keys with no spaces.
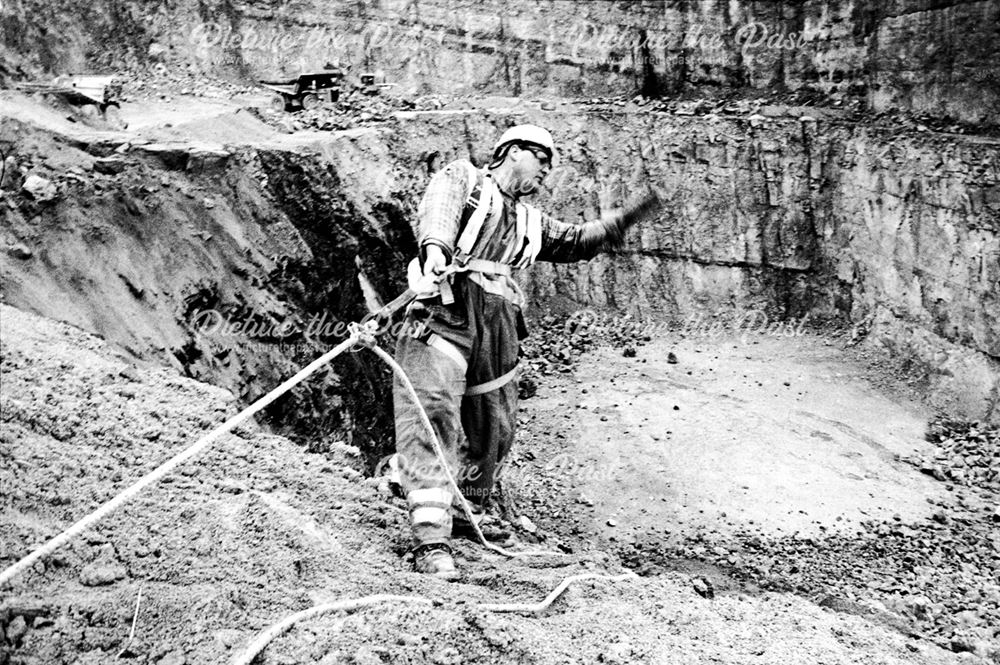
{"x":440,"y":211}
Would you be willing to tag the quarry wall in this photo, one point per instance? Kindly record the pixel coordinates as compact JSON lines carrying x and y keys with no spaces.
{"x":938,"y":57}
{"x":785,"y":218}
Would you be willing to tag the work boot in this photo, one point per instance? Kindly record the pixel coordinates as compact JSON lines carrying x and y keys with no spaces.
{"x":435,"y":559}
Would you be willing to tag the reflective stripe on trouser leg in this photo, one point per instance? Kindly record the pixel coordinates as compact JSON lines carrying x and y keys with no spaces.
{"x":430,"y":510}
{"x":439,"y":383}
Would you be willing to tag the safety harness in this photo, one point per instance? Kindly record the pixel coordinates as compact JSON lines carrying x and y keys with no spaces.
{"x":485,"y":201}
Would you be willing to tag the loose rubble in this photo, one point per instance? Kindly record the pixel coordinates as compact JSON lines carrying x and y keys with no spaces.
{"x":556,"y":342}
{"x":969,"y":453}
{"x":937,"y":579}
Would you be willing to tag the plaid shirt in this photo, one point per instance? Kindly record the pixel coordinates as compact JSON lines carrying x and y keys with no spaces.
{"x":440,"y":216}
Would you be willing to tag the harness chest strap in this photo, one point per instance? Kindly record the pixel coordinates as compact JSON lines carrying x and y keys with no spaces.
{"x":523,"y":251}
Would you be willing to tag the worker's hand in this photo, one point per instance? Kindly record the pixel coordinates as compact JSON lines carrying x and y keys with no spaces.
{"x":434,"y":260}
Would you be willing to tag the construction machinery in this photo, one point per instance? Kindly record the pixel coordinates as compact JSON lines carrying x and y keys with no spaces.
{"x":100,"y":90}
{"x":306,"y":91}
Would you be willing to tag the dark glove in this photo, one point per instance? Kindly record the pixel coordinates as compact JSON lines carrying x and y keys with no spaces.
{"x":610,"y":231}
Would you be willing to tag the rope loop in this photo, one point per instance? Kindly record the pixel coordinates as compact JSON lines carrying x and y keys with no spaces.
{"x":364,"y":334}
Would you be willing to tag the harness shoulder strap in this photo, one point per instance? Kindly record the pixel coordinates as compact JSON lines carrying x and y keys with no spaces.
{"x":529,"y":234}
{"x":472,"y":173}
{"x":474,"y":224}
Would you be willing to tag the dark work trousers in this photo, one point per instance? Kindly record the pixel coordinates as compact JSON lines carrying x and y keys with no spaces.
{"x":475,"y":431}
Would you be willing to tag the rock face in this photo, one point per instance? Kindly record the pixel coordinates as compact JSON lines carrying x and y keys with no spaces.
{"x":896,"y":234}
{"x":934,"y":57}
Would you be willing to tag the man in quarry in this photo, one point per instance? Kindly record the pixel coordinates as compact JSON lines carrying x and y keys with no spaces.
{"x":461,"y":342}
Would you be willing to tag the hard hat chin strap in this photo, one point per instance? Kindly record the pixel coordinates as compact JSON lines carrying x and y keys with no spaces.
{"x":501,"y":152}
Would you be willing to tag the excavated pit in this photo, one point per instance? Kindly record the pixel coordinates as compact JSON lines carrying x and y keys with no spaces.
{"x":237,"y":263}
{"x":736,"y":400}
{"x":270,"y":240}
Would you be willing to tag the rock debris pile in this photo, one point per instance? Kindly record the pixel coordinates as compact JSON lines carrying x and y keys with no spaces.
{"x":968,"y":454}
{"x":165,"y":83}
{"x":936,"y":579}
{"x":556,"y":342}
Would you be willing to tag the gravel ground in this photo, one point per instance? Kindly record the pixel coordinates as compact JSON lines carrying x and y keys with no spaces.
{"x":936,"y":579}
{"x":256,"y":529}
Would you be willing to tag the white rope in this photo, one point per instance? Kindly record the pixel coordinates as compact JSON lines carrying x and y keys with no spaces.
{"x":558,"y":591}
{"x":278,"y":629}
{"x":168,"y":466}
{"x":282,"y":626}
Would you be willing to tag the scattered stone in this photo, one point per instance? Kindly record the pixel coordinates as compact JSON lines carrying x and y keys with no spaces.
{"x":208,"y":203}
{"x":20,"y":251}
{"x":156,"y":52}
{"x":703,"y":587}
{"x":110,"y":165}
{"x":528,"y":525}
{"x":17,"y":629}
{"x":173,"y":658}
{"x":104,"y":570}
{"x":527,"y":388}
{"x":39,"y":188}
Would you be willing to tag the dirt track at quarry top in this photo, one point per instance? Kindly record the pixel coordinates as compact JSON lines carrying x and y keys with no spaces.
{"x":257,"y":529}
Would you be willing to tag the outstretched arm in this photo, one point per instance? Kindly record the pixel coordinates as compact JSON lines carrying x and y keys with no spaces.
{"x":562,"y":243}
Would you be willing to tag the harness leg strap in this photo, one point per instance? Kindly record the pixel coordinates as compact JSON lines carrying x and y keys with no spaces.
{"x":495,"y":384}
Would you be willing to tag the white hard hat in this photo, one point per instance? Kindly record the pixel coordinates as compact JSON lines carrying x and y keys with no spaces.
{"x":527,"y":134}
